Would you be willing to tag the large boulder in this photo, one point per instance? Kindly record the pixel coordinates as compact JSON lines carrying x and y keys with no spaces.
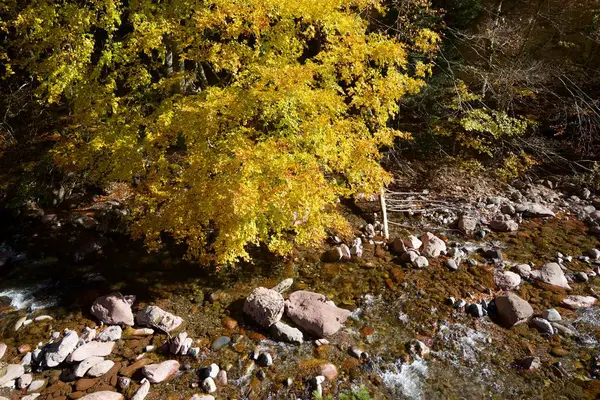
{"x":576,"y":302}
{"x":56,"y":353}
{"x":157,"y":373}
{"x":551,"y":274}
{"x":506,"y":280}
{"x":264,"y":306}
{"x":534,"y":210}
{"x":91,"y":349}
{"x":156,"y":317}
{"x":433,"y":246}
{"x":316,"y":314}
{"x":114,"y":309}
{"x":512,"y":309}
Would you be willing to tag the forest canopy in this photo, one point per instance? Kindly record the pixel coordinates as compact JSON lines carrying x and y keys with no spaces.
{"x":237,"y":122}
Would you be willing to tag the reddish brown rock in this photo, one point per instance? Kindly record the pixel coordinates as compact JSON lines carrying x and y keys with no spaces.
{"x":315,"y":313}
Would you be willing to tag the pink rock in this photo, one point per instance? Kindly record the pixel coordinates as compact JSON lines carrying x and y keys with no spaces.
{"x":329,"y":371}
{"x":90,"y":349}
{"x":576,"y":302}
{"x":56,"y":353}
{"x":316,"y":314}
{"x":157,"y":373}
{"x":512,"y":309}
{"x":101,"y":368}
{"x":264,"y":306}
{"x":506,"y":280}
{"x":432,"y":245}
{"x":103,"y":395}
{"x":114,"y":309}
{"x":551,"y":274}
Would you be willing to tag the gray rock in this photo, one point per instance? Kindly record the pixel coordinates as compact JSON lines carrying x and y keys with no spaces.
{"x":93,"y":348}
{"x":506,"y":280}
{"x":3,"y":348}
{"x":156,"y":317}
{"x":123,"y":382}
{"x":284,"y":333}
{"x":264,"y":306}
{"x":563,"y":330}
{"x":552,"y":315}
{"x":534,"y":210}
{"x":346,"y":255}
{"x":542,"y":326}
{"x":82,"y":368}
{"x":467,"y":224}
{"x":531,"y":363}
{"x":284,"y":285}
{"x":114,"y":309}
{"x":476,"y":310}
{"x":56,"y":353}
{"x":503,"y":225}
{"x":412,"y":242}
{"x":103,"y":395}
{"x":24,"y":381}
{"x":577,"y":302}
{"x":420,"y":262}
{"x":208,"y":385}
{"x":409,"y":257}
{"x":110,"y":334}
{"x":594,"y":254}
{"x":512,"y":309}
{"x":451,"y":264}
{"x":581,"y":276}
{"x":101,"y":368}
{"x":36,"y":385}
{"x":508,"y":209}
{"x":551,"y":274}
{"x":589,"y":209}
{"x":524,"y":270}
{"x":142,"y":391}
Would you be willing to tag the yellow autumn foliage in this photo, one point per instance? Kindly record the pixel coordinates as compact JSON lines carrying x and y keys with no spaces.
{"x":242,"y":122}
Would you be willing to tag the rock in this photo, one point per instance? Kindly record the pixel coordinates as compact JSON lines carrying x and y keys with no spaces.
{"x":451,"y":264}
{"x":139,"y":332}
{"x":329,"y":371}
{"x":284,"y":333}
{"x":284,"y":285}
{"x":551,"y":315}
{"x":506,"y":280}
{"x":412,"y":242}
{"x":178,"y":344}
{"x":476,"y":310}
{"x":20,"y":323}
{"x":397,"y":246}
{"x":409,"y":257}
{"x":101,"y":368}
{"x":88,"y":334}
{"x":24,"y":381}
{"x":551,"y":274}
{"x":142,"y":391}
{"x":26,"y":360}
{"x":156,"y":317}
{"x":558,"y":351}
{"x":93,"y":348}
{"x":563,"y":330}
{"x":41,"y":318}
{"x":432,"y":245}
{"x":346,"y":255}
{"x":581,"y":277}
{"x":332,"y":255}
{"x":209,"y":372}
{"x":503,"y":225}
{"x":265,"y":359}
{"x":577,"y":302}
{"x":264,"y":306}
{"x":209,"y":385}
{"x":314,"y":313}
{"x":202,"y":397}
{"x":530,"y":363}
{"x":36,"y":385}
{"x":534,"y":210}
{"x":83,"y":367}
{"x":219,"y":343}
{"x":420,"y":262}
{"x":221,"y":378}
{"x":542,"y":326}
{"x":31,"y":396}
{"x":594,"y":254}
{"x":3,"y":348}
{"x":494,"y":254}
{"x":11,"y":372}
{"x":416,"y":347}
{"x":370,"y":231}
{"x":110,"y":334}
{"x":507,"y":209}
{"x":56,"y":353}
{"x":113,"y":309}
{"x":103,"y":395}
{"x":512,"y":309}
{"x":467,"y":224}
{"x":524,"y":270}
{"x":356,"y":352}
{"x":157,"y":373}
{"x":357,"y":248}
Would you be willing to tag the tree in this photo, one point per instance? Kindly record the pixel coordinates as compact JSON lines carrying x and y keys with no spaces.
{"x":241,"y":122}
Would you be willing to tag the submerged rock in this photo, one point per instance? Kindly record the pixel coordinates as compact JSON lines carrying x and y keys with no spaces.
{"x":512,"y":309}
{"x":156,"y":317}
{"x":315,"y":313}
{"x":285,"y":333}
{"x":264,"y":306}
{"x":114,"y":309}
{"x":157,"y":373}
